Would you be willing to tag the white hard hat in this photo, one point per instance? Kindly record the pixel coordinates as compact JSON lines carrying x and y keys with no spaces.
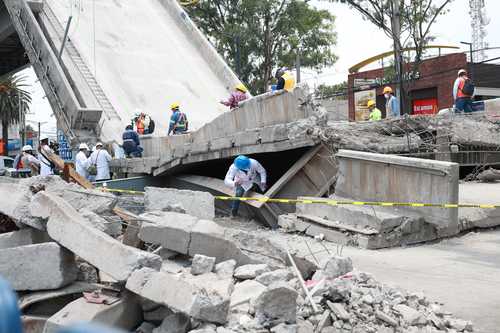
{"x":27,"y":148}
{"x":44,"y":137}
{"x":462,"y":71}
{"x":98,"y":144}
{"x":83,"y":146}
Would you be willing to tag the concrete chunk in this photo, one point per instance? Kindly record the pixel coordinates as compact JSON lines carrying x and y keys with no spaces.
{"x":337,"y":266}
{"x":168,"y":229}
{"x":22,"y":237}
{"x":125,"y":313}
{"x":112,"y":228}
{"x":277,"y":304}
{"x":174,"y":323}
{"x":196,"y":203}
{"x":38,"y":267}
{"x":225,"y":268}
{"x":245,"y":292}
{"x":246,"y":272}
{"x":410,"y":315}
{"x":202,"y":264}
{"x":279,"y":275}
{"x":180,"y":295}
{"x":67,"y":227}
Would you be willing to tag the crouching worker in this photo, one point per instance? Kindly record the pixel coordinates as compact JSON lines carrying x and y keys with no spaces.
{"x":242,"y":175}
{"x":131,"y":144}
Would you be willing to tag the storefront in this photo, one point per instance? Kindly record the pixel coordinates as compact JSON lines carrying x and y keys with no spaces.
{"x":430,"y":88}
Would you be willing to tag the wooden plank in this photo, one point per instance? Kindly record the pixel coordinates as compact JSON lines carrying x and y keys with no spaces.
{"x":71,"y":172}
{"x":331,"y":224}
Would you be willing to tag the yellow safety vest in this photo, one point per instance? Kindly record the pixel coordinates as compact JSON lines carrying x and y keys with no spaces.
{"x":289,"y":81}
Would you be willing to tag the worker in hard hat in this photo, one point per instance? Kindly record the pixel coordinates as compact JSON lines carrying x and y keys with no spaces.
{"x":82,"y":160}
{"x":238,"y":95}
{"x":178,"y":120}
{"x":46,"y":166}
{"x":463,"y":91}
{"x":99,"y":161}
{"x":391,"y":104}
{"x":375,"y":113}
{"x":29,"y":161}
{"x":285,"y":79}
{"x":242,"y":175}
{"x":131,"y":144}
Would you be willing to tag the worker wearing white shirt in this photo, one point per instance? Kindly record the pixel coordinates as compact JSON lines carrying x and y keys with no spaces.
{"x":100,"y":158}
{"x":242,"y":175}
{"x":46,"y":167}
{"x":81,"y":161}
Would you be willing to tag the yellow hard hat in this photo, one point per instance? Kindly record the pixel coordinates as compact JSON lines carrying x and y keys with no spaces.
{"x":241,"y":87}
{"x":370,"y":103}
{"x":387,"y":90}
{"x":174,"y":106}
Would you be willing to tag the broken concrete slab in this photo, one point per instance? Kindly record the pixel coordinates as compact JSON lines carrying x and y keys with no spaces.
{"x":211,"y":283}
{"x":278,"y":275}
{"x":172,"y":291}
{"x":174,"y":323}
{"x":19,"y":266}
{"x":246,"y":292}
{"x":410,"y":315}
{"x":277,"y":304}
{"x":112,"y":228}
{"x":168,"y":229}
{"x":247,"y":272}
{"x":196,"y":203}
{"x":67,"y":227}
{"x":22,"y":237}
{"x":225,"y":268}
{"x":202,"y":264}
{"x":337,"y":266}
{"x":125,"y":313}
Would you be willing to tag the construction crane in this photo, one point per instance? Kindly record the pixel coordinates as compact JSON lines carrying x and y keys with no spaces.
{"x":479,"y":20}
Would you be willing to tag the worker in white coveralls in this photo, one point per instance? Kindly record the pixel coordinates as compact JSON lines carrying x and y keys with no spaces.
{"x":242,"y":175}
{"x":99,"y":161}
{"x":46,"y":166}
{"x":82,"y":161}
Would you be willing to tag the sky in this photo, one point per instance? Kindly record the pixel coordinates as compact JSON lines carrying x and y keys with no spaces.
{"x":356,"y":40}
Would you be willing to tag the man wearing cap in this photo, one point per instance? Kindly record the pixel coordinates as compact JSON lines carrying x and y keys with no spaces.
{"x":238,"y":95}
{"x":82,"y":161}
{"x":391,"y":104}
{"x":178,"y":121}
{"x":462,"y":92}
{"x":46,"y":166}
{"x":100,"y":158}
{"x":242,"y":175}
{"x":29,"y":161}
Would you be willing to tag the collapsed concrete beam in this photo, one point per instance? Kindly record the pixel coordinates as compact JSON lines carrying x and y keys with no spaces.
{"x":188,"y":235}
{"x":179,"y":294}
{"x":23,"y":237}
{"x":67,"y":227}
{"x":38,"y":267}
{"x":195,"y":203}
{"x":125,"y":313}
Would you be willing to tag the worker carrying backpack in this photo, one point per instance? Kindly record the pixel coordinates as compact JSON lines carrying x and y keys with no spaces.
{"x":468,"y":88}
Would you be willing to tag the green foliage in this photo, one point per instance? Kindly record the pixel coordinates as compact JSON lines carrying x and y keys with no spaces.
{"x":14,"y":102}
{"x":257,"y":36}
{"x":337,"y":91}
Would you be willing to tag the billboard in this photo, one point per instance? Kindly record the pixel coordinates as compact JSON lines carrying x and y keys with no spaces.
{"x":425,"y":106}
{"x":361,"y":111}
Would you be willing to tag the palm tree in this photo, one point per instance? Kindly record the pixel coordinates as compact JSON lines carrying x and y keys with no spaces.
{"x":14,"y":103}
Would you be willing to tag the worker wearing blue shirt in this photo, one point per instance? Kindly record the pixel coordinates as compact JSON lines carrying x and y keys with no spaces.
{"x":178,"y":120}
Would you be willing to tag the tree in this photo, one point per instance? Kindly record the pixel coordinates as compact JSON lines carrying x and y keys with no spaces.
{"x":337,"y":91}
{"x":408,"y":25}
{"x":14,"y":103}
{"x":257,"y":36}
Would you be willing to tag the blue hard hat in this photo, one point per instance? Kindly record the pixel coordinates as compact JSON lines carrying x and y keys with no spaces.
{"x":242,"y":162}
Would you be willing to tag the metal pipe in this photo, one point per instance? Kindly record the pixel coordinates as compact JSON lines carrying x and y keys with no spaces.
{"x":65,"y":38}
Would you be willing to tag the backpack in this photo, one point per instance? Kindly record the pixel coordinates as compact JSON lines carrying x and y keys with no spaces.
{"x":92,"y":169}
{"x":151,"y":127}
{"x":468,"y":88}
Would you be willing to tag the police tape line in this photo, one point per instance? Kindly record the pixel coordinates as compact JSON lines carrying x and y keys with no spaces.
{"x":333,"y":202}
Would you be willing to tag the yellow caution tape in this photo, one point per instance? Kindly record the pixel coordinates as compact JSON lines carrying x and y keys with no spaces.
{"x":332,"y":202}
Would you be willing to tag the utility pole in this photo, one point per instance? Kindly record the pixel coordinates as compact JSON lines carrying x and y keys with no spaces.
{"x":398,"y":55}
{"x":297,"y":65}
{"x":471,"y":59}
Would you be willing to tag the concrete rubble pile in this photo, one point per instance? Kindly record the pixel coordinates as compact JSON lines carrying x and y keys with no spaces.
{"x":188,"y":274}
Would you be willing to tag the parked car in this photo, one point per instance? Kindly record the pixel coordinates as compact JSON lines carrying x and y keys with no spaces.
{"x":6,"y":163}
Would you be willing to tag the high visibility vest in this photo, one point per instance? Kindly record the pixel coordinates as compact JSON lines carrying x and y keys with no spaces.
{"x":461,"y":84}
{"x":289,"y":81}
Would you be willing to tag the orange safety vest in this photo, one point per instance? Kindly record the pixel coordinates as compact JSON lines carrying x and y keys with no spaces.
{"x":140,"y":126}
{"x":461,"y":84}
